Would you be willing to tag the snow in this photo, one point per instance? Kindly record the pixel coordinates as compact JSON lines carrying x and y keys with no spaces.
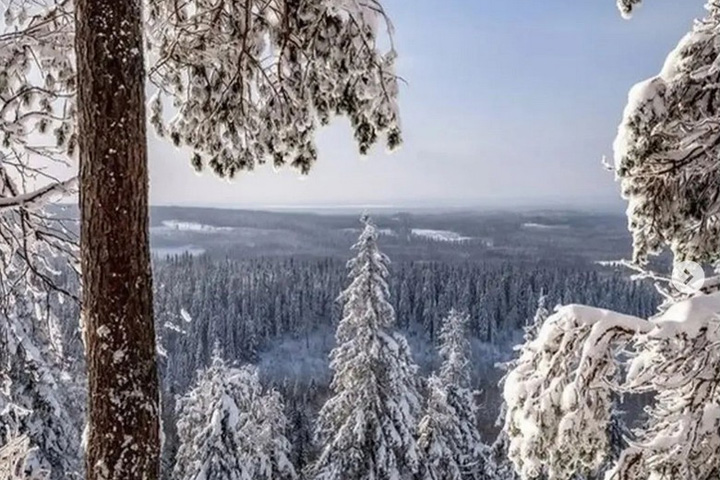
{"x":163,"y":252}
{"x":559,"y":392}
{"x":667,"y":144}
{"x":194,"y":227}
{"x":439,"y":235}
{"x":42,"y":196}
{"x":544,"y":226}
{"x":231,"y":428}
{"x":647,"y":94}
{"x":688,"y":317}
{"x":387,"y":232}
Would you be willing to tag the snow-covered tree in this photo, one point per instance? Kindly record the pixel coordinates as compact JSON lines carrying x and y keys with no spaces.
{"x":19,"y":461}
{"x":667,"y":147}
{"x":367,"y":429}
{"x":246,"y":82}
{"x":439,"y":437}
{"x":560,"y":394}
{"x":541,"y":314}
{"x":35,"y":398}
{"x":501,"y":465}
{"x":448,"y":437}
{"x":558,"y":398}
{"x":230,"y":429}
{"x":36,"y":81}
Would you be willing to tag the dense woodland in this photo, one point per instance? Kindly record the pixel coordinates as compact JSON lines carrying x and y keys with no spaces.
{"x":304,"y":367}
{"x":247,"y":307}
{"x":280,"y":314}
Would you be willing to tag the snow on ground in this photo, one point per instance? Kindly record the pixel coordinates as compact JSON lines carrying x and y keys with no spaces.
{"x":544,"y":226}
{"x":439,"y":235}
{"x":381,"y":231}
{"x":192,"y":227}
{"x":172,"y":251}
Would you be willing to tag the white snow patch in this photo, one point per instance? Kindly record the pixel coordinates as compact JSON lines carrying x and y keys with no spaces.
{"x":194,"y":227}
{"x":439,"y":235}
{"x":544,"y":226}
{"x":688,"y":317}
{"x":388,"y":232}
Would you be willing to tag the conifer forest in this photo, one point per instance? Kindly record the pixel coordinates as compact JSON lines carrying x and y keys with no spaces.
{"x":518,"y":278}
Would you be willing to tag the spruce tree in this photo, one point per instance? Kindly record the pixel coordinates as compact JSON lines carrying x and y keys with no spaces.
{"x":501,"y":465}
{"x":230,"y":429}
{"x":366,"y":429}
{"x":34,"y":396}
{"x":448,"y":436}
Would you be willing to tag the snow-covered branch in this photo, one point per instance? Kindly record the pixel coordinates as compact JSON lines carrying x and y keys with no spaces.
{"x":40,"y":197}
{"x":559,"y":394}
{"x":251,"y":81}
{"x":667,"y":147}
{"x":18,"y":461}
{"x":679,"y":360}
{"x":628,"y":6}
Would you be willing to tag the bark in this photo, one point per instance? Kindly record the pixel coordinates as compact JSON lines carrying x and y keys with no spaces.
{"x":123,"y":435}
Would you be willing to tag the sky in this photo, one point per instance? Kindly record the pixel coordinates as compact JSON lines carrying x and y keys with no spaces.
{"x":506,"y":104}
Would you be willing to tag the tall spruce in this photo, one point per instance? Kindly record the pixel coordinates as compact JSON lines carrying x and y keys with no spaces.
{"x":449,"y":440}
{"x":231,"y":429}
{"x":366,"y":429}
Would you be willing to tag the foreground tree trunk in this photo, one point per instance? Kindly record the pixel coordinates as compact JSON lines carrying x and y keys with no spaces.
{"x":123,"y":437}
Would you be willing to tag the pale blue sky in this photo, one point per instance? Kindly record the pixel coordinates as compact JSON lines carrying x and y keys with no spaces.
{"x":507,"y":102}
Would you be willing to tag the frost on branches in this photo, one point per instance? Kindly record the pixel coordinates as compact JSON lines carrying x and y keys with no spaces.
{"x":559,"y":397}
{"x":18,"y":461}
{"x":37,"y":78}
{"x":367,"y":429}
{"x":247,"y":81}
{"x":35,"y":401}
{"x":560,"y":393}
{"x":679,"y":360}
{"x":252,"y":80}
{"x":448,"y":439}
{"x":229,"y":428}
{"x":667,"y":148}
{"x":37,"y":85}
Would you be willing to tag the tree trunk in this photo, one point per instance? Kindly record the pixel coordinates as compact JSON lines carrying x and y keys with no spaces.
{"x":123,"y":436}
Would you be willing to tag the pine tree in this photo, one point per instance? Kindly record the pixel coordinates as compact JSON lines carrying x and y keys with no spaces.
{"x":235,"y":107}
{"x":561,"y":394}
{"x":367,"y":428}
{"x":448,"y":436}
{"x":666,"y":150}
{"x":230,"y":429}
